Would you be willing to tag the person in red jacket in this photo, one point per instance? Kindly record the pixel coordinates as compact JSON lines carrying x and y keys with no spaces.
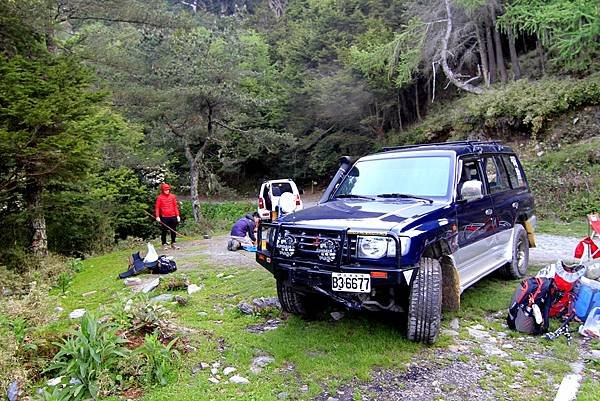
{"x":167,"y":212}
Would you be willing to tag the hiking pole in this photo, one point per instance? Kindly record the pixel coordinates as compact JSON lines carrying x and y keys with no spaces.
{"x":179,"y":234}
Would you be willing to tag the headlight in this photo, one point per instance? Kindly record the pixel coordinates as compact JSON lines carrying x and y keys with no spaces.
{"x":286,"y":245}
{"x":373,"y":247}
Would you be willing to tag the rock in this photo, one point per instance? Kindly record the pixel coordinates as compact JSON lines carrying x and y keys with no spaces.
{"x":216,"y":365}
{"x":245,"y":308}
{"x":454,"y":324}
{"x":13,"y":391}
{"x":204,"y":365}
{"x":228,"y":277}
{"x":540,"y":153}
{"x":337,"y":315}
{"x":206,"y":236}
{"x":304,"y":388}
{"x":515,"y":386}
{"x":259,"y":363}
{"x":202,"y":314}
{"x":192,"y":288}
{"x":229,"y":370}
{"x":181,"y":300}
{"x":518,"y":364}
{"x":220,"y":275}
{"x":263,"y":303}
{"x":132,"y":281}
{"x":162,"y":298}
{"x":58,"y":309}
{"x":152,"y":284}
{"x":77,"y":313}
{"x":214,"y":371}
{"x":55,"y":381}
{"x":213,"y":380}
{"x":507,"y":346}
{"x":263,"y":361}
{"x":450,"y":333}
{"x":477,"y":333}
{"x":492,"y":350}
{"x":477,"y":327}
{"x":238,"y":380}
{"x":282,"y":396}
{"x":196,"y":369}
{"x":594,"y":354}
{"x":87,"y":294}
{"x":333,"y":399}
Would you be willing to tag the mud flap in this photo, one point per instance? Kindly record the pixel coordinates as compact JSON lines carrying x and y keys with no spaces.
{"x":530,"y":233}
{"x":450,"y":285}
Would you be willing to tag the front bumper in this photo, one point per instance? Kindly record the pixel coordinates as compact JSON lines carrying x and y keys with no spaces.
{"x":314,"y":276}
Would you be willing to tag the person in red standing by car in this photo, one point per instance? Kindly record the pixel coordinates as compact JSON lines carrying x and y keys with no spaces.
{"x":167,"y":212}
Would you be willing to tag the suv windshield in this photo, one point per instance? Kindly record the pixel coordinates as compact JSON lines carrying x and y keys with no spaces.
{"x":401,"y":177}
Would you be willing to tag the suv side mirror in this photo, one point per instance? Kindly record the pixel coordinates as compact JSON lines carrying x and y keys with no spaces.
{"x":301,"y":191}
{"x":471,"y":190}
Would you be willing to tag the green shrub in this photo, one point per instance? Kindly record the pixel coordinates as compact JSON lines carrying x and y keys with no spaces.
{"x":159,"y":364}
{"x":566,"y":182}
{"x":217,"y":216}
{"x":88,"y":359}
{"x":522,"y":107}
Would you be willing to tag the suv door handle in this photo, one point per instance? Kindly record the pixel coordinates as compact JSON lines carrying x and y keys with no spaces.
{"x":488,"y":212}
{"x":515,"y":205}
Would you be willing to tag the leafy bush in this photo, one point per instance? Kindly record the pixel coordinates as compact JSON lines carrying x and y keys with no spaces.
{"x":521,"y":107}
{"x":89,"y":358}
{"x":159,"y":360}
{"x":566,"y":182}
{"x":217,"y":216}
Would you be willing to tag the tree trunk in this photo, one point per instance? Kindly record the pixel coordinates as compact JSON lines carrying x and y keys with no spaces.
{"x":483,"y":55}
{"x":417,"y":106}
{"x":194,"y":178}
{"x":514,"y":59}
{"x":498,"y":45}
{"x":490,"y":52}
{"x":400,"y":127}
{"x":540,"y":52}
{"x":33,"y":197}
{"x":457,"y":82}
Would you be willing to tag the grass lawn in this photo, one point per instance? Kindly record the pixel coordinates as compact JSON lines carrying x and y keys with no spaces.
{"x":310,"y":357}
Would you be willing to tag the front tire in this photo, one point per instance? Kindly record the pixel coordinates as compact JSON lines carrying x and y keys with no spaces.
{"x":425,"y":302}
{"x":295,"y":302}
{"x":517,"y":268}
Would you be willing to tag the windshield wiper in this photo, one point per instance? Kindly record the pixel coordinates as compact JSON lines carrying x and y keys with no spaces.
{"x":354,"y":196}
{"x":404,"y":196}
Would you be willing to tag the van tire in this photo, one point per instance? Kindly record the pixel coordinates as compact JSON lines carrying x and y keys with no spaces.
{"x":517,"y":268}
{"x":295,"y":302}
{"x":425,"y":302}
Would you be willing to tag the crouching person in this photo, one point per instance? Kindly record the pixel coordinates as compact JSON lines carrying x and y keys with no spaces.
{"x":243,"y":232}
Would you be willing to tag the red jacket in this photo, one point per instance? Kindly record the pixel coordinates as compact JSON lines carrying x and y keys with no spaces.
{"x":166,"y":204}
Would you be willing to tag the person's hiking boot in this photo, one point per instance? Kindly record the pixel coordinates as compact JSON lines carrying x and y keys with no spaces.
{"x":166,"y":247}
{"x":173,"y":246}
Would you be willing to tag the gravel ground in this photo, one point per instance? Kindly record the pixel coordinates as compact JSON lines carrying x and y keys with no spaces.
{"x":470,"y":368}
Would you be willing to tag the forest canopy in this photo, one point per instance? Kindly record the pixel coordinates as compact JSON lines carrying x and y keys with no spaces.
{"x":102,"y":101}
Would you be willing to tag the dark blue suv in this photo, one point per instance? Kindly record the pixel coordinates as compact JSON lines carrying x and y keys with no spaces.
{"x":405,"y":230}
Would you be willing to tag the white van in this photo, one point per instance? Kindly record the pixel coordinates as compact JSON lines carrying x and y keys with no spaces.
{"x":278,"y":195}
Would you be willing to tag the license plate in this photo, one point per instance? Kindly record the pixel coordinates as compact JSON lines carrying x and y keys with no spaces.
{"x":351,"y":282}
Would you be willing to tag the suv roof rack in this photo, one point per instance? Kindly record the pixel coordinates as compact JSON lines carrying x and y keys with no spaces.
{"x":451,"y":143}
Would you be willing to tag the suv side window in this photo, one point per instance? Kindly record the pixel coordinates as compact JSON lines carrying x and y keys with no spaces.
{"x":496,"y":174}
{"x":514,"y":171}
{"x":469,"y":172}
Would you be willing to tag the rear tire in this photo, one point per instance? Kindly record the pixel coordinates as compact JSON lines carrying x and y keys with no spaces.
{"x":425,"y":302}
{"x":295,"y":302}
{"x":517,"y":268}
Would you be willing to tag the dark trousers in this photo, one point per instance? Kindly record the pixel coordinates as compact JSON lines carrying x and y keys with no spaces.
{"x":170,"y":222}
